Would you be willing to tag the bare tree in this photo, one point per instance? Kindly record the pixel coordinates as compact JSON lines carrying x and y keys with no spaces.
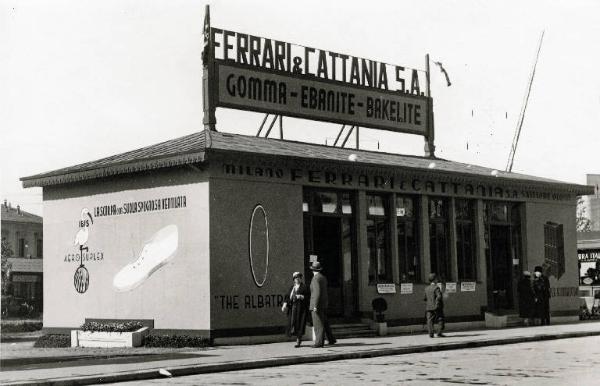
{"x":6,"y":266}
{"x":584,"y":224}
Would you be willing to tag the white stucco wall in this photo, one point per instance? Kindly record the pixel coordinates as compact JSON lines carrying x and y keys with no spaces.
{"x":175,"y":296}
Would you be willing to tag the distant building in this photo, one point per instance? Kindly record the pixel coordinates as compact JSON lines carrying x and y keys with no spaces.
{"x":24,"y":233}
{"x":588,"y":251}
{"x":594,"y":201}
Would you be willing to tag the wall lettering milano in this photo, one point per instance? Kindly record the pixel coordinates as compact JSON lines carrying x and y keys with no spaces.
{"x":387,"y":182}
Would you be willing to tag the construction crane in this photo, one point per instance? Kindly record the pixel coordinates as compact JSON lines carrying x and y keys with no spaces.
{"x":513,"y":147}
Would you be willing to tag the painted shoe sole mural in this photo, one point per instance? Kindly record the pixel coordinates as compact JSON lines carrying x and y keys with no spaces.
{"x":157,"y":252}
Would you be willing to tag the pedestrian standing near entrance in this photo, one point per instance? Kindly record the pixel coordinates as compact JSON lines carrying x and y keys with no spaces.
{"x":526,"y":302}
{"x":541,"y":291}
{"x":434,"y":308}
{"x":318,"y":306}
{"x":296,"y":306}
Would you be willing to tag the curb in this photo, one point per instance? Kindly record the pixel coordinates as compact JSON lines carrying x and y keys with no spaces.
{"x":14,"y":362}
{"x":16,"y":339}
{"x":294,"y":360}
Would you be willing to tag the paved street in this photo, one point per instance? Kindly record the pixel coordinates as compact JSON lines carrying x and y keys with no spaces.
{"x":90,"y":366}
{"x":558,"y":362}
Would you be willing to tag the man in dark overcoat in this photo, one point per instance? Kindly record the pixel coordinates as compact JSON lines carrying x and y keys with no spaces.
{"x":434,"y":308}
{"x":318,"y":306}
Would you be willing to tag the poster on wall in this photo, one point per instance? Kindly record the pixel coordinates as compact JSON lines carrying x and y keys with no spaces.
{"x":467,"y":286}
{"x":451,"y":288}
{"x":125,"y":255}
{"x":387,"y":288}
{"x":406,"y":288}
{"x":147,"y":252}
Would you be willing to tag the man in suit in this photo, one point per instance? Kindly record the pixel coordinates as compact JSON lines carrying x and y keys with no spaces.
{"x":434,"y":309}
{"x":318,"y":306}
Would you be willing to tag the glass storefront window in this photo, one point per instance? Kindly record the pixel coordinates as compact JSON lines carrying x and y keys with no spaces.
{"x":437,"y":208}
{"x":39,"y":247}
{"x":346,"y":203}
{"x":439,"y":238}
{"x":378,"y":240}
{"x":404,"y":206}
{"x":515,"y":216}
{"x":408,"y":241}
{"x":325,"y":202}
{"x":497,"y":211}
{"x":589,"y":269}
{"x":305,"y":201}
{"x":465,"y":239}
{"x":328,"y":202}
{"x":554,"y":248}
{"x":376,"y":205}
{"x":464,"y":209}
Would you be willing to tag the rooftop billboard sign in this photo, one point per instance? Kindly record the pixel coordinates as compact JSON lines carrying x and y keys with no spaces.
{"x":247,"y":72}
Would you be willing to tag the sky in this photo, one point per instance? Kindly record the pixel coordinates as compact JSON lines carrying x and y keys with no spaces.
{"x":85,"y":79}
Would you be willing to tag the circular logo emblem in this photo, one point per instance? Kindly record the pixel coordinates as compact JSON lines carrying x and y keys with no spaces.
{"x":258,"y":245}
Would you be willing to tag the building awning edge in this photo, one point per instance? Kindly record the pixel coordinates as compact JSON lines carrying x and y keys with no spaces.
{"x":112,"y":170}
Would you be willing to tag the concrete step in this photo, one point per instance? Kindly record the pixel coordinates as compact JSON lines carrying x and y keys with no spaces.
{"x":514,"y":321}
{"x":350,"y":325}
{"x":503,"y":320}
{"x":365,"y":328}
{"x":350,"y":330}
{"x":354,"y":334}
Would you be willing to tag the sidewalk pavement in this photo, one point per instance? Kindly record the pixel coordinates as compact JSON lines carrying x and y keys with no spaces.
{"x":81,"y":367}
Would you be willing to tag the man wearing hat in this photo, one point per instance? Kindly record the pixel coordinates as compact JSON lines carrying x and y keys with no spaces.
{"x":318,"y":306}
{"x":541,"y":291}
{"x":434,"y":308}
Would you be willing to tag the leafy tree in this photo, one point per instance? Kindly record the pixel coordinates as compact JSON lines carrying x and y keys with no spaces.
{"x":6,"y":266}
{"x":584,"y":224}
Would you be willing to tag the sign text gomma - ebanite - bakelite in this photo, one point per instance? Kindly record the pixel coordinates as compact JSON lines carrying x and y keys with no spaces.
{"x":264,"y":89}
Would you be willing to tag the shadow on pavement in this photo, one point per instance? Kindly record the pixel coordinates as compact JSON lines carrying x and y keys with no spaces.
{"x":54,"y":362}
{"x":356,"y":344}
{"x":459,"y":335}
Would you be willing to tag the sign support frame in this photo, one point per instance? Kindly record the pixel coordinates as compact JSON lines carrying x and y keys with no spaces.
{"x":211,"y":82}
{"x":209,"y":97}
{"x":430,"y":135}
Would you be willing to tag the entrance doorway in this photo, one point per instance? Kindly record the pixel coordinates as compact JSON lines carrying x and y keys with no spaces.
{"x":326,"y":246}
{"x":330,"y":239}
{"x":500,"y":276}
{"x":503,"y":254}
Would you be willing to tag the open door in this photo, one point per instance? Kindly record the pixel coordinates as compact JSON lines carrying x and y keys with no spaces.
{"x":327,"y":246}
{"x":500,"y":267}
